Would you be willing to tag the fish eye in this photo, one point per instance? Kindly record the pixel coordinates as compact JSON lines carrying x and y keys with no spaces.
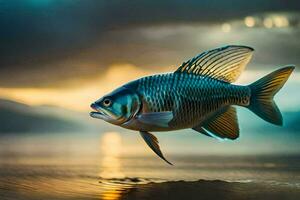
{"x":106,"y":102}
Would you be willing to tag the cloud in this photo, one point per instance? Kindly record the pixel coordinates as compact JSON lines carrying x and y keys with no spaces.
{"x":55,"y":42}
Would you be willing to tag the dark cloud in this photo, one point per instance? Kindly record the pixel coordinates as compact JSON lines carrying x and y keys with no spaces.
{"x":48,"y":42}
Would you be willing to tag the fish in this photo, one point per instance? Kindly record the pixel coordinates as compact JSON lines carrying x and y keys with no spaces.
{"x":199,"y":95}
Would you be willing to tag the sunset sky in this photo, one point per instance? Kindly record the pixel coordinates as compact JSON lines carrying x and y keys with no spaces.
{"x":69,"y":53}
{"x":59,"y":56}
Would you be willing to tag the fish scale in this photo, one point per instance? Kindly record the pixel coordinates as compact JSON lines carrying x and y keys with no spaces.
{"x":188,"y":96}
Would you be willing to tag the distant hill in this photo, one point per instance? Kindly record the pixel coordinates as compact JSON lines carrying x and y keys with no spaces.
{"x":17,"y":117}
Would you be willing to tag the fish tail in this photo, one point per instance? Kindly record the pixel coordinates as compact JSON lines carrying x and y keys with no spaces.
{"x":263,"y":92}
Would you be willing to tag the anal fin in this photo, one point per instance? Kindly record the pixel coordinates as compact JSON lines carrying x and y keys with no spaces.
{"x":200,"y":129}
{"x":224,"y":125}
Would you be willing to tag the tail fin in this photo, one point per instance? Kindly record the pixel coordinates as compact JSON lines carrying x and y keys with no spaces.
{"x":263,"y":91}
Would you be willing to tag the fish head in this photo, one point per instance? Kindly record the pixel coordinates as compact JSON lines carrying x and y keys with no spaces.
{"x":117,"y":107}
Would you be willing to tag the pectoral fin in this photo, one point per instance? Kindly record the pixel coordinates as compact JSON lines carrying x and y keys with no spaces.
{"x":160,"y":119}
{"x":152,"y":142}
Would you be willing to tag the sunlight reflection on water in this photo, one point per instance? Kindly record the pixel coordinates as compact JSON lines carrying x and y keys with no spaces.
{"x":111,"y":145}
{"x":97,"y":167}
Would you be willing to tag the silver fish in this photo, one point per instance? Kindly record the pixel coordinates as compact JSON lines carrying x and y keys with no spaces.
{"x":198,"y":95}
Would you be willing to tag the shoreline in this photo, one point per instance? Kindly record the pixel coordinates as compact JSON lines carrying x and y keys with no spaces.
{"x":211,"y":189}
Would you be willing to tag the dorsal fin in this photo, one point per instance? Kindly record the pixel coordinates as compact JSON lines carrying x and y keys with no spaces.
{"x":224,"y":125}
{"x":225,"y":63}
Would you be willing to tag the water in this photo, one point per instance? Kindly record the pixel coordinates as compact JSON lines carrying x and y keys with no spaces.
{"x":99,"y":166}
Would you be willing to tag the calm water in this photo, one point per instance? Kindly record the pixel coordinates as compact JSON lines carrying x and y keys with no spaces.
{"x":98,"y":167}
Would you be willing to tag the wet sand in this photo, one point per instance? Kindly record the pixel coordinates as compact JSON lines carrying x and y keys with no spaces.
{"x":207,"y":190}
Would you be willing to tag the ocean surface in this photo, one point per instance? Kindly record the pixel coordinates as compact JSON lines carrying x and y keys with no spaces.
{"x":62,"y":166}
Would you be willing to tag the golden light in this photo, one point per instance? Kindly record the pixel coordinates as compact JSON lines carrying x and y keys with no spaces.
{"x":278,"y":21}
{"x":80,"y":96}
{"x":226,"y":27}
{"x":110,"y":146}
{"x":75,"y":99}
{"x":249,"y":21}
{"x":268,"y":22}
{"x":281,"y":21}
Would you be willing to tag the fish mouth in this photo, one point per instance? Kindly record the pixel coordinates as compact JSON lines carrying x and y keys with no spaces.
{"x":97,"y":113}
